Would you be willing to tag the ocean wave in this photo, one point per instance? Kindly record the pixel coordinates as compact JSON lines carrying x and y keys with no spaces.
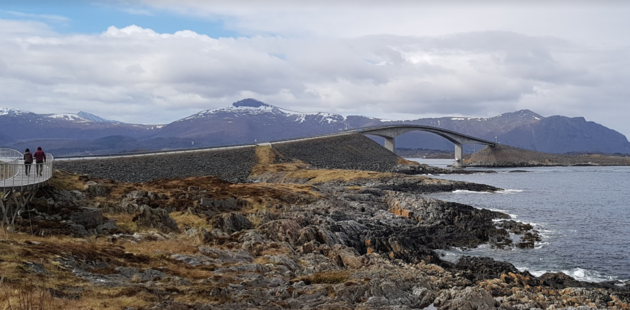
{"x":579,"y":274}
{"x":545,"y":233}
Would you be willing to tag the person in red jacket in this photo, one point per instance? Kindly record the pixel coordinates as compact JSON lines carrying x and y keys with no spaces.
{"x":28,"y":161}
{"x":40,"y":159}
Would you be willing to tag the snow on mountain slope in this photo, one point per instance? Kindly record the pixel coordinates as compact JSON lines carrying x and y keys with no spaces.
{"x":10,"y":112}
{"x":252,"y":107}
{"x":93,"y":118}
{"x":68,"y":117}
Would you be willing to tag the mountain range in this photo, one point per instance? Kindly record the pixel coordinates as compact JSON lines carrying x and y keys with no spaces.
{"x":250,"y":120}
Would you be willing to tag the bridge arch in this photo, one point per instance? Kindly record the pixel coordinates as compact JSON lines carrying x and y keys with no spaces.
{"x":391,"y":132}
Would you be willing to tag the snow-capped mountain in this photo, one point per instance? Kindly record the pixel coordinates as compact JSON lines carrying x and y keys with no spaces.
{"x":250,"y":121}
{"x":254,"y":107}
{"x":22,"y":125}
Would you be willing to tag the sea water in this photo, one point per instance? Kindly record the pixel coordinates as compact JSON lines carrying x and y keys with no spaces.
{"x":582,"y":214}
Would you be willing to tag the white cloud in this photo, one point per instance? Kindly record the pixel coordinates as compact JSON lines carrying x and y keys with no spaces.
{"x":135,"y":74}
{"x":603,"y":21}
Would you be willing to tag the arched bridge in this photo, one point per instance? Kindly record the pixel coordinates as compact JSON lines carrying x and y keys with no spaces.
{"x":391,"y":132}
{"x":388,"y":132}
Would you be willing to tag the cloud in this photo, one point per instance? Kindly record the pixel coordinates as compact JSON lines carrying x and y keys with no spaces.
{"x":13,"y":28}
{"x":135,"y":74}
{"x":603,"y":21}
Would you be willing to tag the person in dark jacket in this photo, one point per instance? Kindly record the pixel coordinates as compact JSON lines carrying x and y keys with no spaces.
{"x":40,"y":159}
{"x":28,"y":161}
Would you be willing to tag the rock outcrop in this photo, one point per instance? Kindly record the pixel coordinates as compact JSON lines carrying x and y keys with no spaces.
{"x":155,"y":218}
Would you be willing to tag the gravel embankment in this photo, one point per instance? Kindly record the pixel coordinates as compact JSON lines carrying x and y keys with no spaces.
{"x":232,"y":165}
{"x":353,"y":152}
{"x":235,"y":165}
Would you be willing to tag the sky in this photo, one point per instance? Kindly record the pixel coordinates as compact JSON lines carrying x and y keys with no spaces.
{"x":156,"y":61}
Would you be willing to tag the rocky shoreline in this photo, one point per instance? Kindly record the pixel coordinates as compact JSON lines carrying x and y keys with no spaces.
{"x":292,"y":237}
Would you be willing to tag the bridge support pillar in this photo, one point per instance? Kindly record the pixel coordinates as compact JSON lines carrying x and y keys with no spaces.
{"x":390,"y":144}
{"x":458,"y":155}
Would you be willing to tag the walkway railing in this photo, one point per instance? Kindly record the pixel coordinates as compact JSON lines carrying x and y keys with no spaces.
{"x":13,"y":174}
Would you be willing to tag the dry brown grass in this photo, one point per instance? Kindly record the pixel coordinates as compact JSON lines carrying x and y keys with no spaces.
{"x":114,"y":298}
{"x":18,"y":298}
{"x":327,"y":175}
{"x":403,"y":161}
{"x":185,"y":219}
{"x":27,"y":296}
{"x":66,"y":181}
{"x":287,"y":188}
{"x":13,"y":253}
{"x":326,"y":277}
{"x":267,"y":155}
{"x":274,"y":168}
{"x":150,"y":248}
{"x":21,"y":289}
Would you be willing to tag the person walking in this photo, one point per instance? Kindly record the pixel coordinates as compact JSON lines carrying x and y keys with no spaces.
{"x":40,"y":159}
{"x":28,"y":161}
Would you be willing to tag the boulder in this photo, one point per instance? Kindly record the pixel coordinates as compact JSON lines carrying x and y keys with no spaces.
{"x":559,"y":280}
{"x":470,"y":298}
{"x":78,"y":230}
{"x":281,"y":230}
{"x":485,"y":267}
{"x":261,"y":217}
{"x":231,"y":222}
{"x":88,"y":217}
{"x":106,"y":227}
{"x":346,"y":256}
{"x":68,"y":197}
{"x":155,"y":218}
{"x":229,"y":204}
{"x":136,"y":194}
{"x":94,"y":189}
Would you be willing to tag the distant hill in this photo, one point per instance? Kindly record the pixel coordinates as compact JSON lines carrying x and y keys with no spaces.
{"x":250,"y":120}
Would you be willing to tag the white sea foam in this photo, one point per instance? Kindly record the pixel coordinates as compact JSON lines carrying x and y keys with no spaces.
{"x":509,"y":191}
{"x":540,"y":245}
{"x":512,"y":216}
{"x":449,"y":256}
{"x":463,"y":191}
{"x":579,"y":274}
{"x":545,"y":233}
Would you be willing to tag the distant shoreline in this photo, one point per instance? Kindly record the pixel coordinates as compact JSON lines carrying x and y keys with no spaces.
{"x":503,"y":156}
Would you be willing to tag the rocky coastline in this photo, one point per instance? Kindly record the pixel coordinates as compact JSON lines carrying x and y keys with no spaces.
{"x":291,"y":235}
